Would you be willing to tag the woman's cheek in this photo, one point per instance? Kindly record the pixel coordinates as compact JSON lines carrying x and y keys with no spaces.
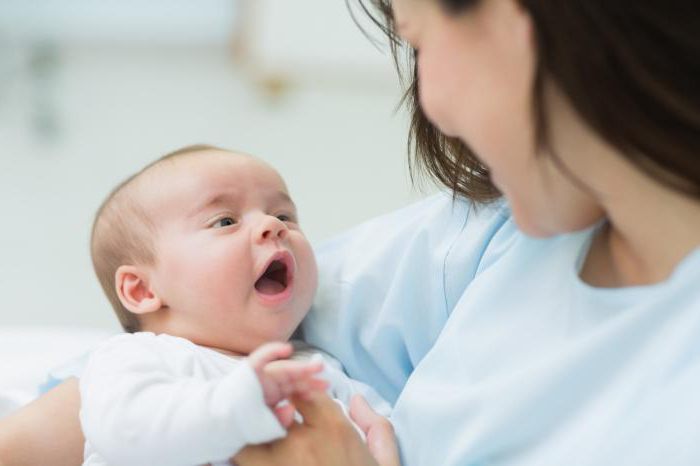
{"x":434,"y":98}
{"x":430,"y":104}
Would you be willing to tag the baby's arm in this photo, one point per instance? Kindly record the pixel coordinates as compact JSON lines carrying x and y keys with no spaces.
{"x":136,"y":410}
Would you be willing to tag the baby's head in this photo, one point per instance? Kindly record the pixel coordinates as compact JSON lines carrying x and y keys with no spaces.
{"x":205,"y":244}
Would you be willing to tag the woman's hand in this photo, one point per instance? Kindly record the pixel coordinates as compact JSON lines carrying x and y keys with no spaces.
{"x":326,"y":438}
{"x":378,"y":431}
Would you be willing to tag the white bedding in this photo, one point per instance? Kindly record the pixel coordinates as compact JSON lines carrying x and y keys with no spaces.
{"x":28,"y":353}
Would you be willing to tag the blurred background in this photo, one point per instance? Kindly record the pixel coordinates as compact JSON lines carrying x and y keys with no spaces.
{"x":90,"y":91}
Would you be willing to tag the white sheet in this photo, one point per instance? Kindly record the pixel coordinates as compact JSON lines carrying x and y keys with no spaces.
{"x":28,"y":353}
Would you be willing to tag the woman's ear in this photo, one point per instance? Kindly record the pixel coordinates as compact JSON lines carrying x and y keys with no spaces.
{"x":134,"y":290}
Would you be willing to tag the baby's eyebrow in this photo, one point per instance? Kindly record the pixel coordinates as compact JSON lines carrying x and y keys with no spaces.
{"x":222,"y":198}
{"x":214,"y":200}
{"x":281,"y":195}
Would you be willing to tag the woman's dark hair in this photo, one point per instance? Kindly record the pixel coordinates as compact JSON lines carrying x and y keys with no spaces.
{"x":630,"y":68}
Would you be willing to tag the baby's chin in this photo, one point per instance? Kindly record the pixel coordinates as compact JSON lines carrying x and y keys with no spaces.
{"x":237,"y":346}
{"x":292,"y":330}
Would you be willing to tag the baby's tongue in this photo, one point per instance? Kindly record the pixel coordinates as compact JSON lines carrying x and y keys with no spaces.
{"x":268,"y":286}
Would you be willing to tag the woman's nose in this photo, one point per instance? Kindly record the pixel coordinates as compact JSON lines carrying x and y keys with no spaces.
{"x":271,"y":228}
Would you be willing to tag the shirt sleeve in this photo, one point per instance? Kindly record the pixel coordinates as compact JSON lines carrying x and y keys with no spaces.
{"x":387,"y":287}
{"x":135,"y":410}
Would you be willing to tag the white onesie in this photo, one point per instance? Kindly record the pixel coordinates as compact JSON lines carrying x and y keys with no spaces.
{"x":151,"y":399}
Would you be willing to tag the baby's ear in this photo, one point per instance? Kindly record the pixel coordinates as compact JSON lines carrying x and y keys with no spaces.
{"x":134,"y":290}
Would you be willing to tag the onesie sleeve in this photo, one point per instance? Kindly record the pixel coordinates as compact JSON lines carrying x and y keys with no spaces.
{"x":343,"y":388}
{"x":387,"y":287}
{"x":136,"y":410}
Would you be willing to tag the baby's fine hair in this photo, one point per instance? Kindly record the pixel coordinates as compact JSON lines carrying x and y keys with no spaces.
{"x":123,"y":233}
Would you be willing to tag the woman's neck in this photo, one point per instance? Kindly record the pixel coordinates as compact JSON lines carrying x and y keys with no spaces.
{"x":651,"y":229}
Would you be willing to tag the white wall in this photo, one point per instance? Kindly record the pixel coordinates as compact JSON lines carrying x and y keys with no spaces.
{"x":317,"y":37}
{"x":113,"y":107}
{"x":124,"y":21}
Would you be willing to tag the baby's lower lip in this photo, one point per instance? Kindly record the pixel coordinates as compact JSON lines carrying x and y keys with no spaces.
{"x":277,"y":298}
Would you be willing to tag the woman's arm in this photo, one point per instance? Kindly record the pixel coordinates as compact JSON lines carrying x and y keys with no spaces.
{"x":326,"y":438}
{"x":387,"y":287}
{"x":46,"y":431}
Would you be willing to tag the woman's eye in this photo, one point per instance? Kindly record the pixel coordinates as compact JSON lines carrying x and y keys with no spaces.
{"x":224,"y":222}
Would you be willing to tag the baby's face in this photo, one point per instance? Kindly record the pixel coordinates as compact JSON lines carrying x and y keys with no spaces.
{"x":233,"y":267}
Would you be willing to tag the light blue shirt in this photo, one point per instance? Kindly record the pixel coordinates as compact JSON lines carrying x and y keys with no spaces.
{"x":493,"y":350}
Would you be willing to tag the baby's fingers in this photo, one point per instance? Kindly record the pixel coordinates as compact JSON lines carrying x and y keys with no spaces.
{"x":269,"y":352}
{"x":306,"y":388}
{"x":288,"y":370}
{"x":285,"y":414}
{"x":295,"y":377}
{"x":306,"y":385}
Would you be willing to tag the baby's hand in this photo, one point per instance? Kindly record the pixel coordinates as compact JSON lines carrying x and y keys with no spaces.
{"x":281,"y":377}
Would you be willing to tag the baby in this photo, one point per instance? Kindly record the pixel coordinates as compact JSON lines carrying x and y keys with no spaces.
{"x":203,"y":260}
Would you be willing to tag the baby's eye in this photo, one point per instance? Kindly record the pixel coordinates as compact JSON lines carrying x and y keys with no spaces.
{"x":285,"y":218}
{"x":224,"y":222}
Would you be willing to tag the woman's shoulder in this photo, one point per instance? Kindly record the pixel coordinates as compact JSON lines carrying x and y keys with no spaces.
{"x":432,"y":224}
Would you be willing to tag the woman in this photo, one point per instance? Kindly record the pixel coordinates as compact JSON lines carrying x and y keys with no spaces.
{"x":561,"y":324}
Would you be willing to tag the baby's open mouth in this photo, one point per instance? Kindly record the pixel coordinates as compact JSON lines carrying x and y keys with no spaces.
{"x":274,"y":280}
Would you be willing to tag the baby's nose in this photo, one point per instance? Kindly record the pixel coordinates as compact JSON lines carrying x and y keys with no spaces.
{"x":271,"y":228}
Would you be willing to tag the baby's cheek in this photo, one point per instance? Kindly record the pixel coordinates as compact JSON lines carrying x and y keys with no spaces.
{"x":310,"y":276}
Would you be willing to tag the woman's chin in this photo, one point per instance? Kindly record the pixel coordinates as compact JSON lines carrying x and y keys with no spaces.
{"x":546,"y":227}
{"x":535,"y":231}
{"x":533,"y":225}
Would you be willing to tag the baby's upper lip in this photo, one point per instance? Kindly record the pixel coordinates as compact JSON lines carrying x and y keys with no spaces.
{"x":283,"y":256}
